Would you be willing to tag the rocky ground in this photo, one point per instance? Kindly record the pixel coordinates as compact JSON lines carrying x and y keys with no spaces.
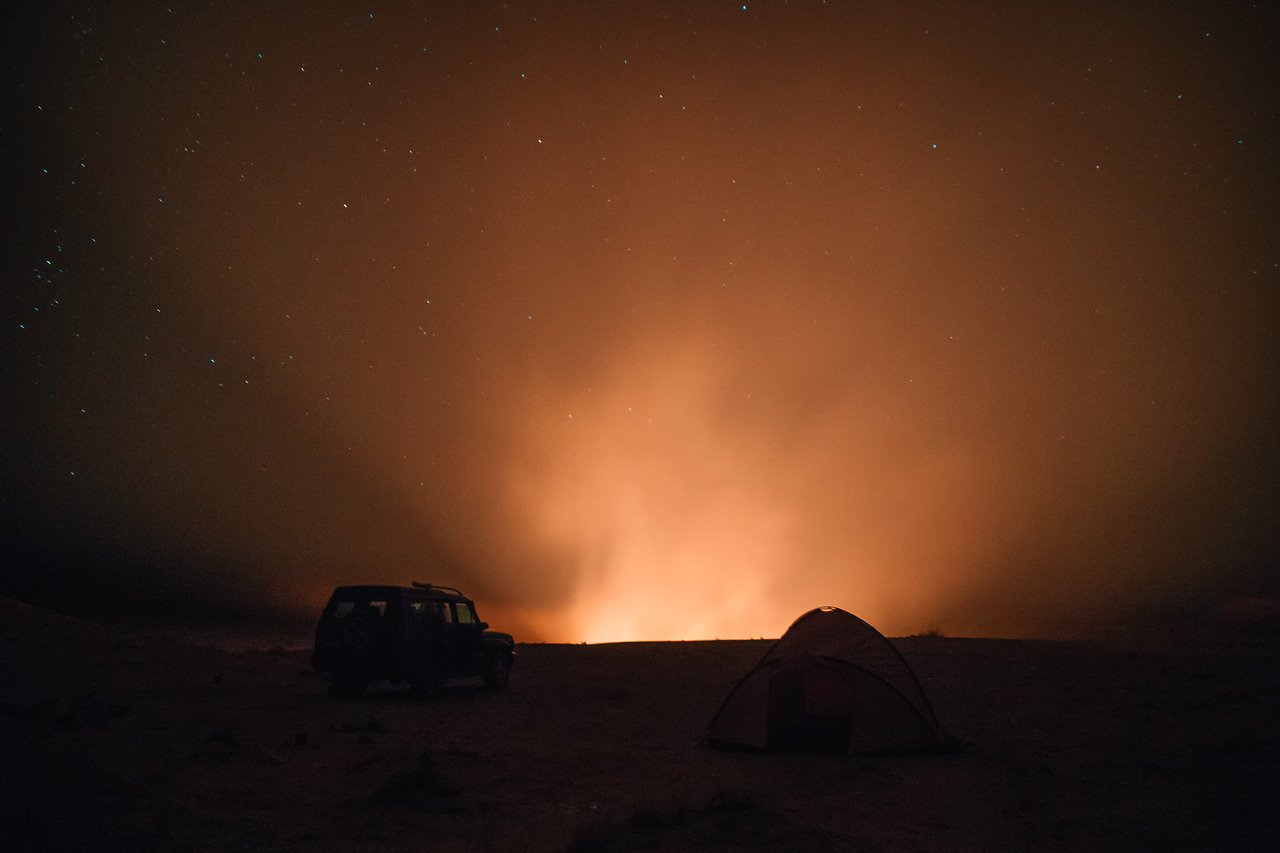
{"x":120,"y":740}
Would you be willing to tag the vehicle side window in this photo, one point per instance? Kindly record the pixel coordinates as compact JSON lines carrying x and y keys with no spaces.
{"x":444,"y":611}
{"x":465,"y":615}
{"x":343,"y":609}
{"x":418,"y":611}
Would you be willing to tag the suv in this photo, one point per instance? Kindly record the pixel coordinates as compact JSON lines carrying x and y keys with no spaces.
{"x":420,"y":634}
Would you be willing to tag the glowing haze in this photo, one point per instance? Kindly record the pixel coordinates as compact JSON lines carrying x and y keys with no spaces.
{"x":644,"y":322}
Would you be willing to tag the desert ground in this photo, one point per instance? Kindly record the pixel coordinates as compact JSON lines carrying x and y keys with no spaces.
{"x":114,"y":739}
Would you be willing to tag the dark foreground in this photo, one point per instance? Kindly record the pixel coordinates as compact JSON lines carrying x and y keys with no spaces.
{"x":111,"y":740}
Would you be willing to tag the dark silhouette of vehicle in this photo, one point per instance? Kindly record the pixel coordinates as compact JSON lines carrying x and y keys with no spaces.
{"x":422,"y":635}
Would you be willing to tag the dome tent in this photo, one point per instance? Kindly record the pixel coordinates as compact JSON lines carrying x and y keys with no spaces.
{"x":832,"y":682}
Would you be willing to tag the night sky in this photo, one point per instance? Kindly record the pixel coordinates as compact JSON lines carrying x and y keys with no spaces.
{"x":650,"y":320}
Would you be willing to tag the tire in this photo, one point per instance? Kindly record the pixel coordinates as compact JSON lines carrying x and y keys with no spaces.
{"x":497,"y":669}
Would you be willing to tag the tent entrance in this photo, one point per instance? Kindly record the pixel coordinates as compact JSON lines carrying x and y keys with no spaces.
{"x":811,"y":709}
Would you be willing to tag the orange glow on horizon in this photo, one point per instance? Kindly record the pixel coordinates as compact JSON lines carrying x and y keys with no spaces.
{"x":682,"y":527}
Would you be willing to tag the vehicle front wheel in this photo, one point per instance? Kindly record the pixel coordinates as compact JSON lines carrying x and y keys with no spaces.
{"x":497,"y":669}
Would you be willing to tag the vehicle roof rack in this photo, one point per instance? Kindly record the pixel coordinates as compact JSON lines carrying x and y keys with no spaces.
{"x":453,"y":590}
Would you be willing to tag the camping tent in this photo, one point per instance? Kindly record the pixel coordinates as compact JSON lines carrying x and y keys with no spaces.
{"x":831,"y":682}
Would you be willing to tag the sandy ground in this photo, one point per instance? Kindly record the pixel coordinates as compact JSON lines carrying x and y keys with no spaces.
{"x":117,"y":740}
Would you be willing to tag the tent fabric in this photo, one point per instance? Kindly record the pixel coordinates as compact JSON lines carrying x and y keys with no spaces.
{"x":831,"y":682}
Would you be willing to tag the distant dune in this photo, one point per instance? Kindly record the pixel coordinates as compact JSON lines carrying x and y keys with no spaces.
{"x":120,"y":740}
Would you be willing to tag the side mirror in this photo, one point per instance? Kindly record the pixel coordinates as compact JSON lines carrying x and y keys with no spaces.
{"x":484,"y":626}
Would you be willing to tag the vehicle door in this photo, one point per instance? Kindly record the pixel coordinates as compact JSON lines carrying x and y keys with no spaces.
{"x":421,"y":634}
{"x":468,"y":632}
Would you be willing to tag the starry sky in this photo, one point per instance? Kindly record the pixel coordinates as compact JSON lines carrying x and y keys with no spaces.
{"x":643,"y":321}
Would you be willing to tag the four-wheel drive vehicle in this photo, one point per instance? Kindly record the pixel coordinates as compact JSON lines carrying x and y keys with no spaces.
{"x":420,"y":634}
